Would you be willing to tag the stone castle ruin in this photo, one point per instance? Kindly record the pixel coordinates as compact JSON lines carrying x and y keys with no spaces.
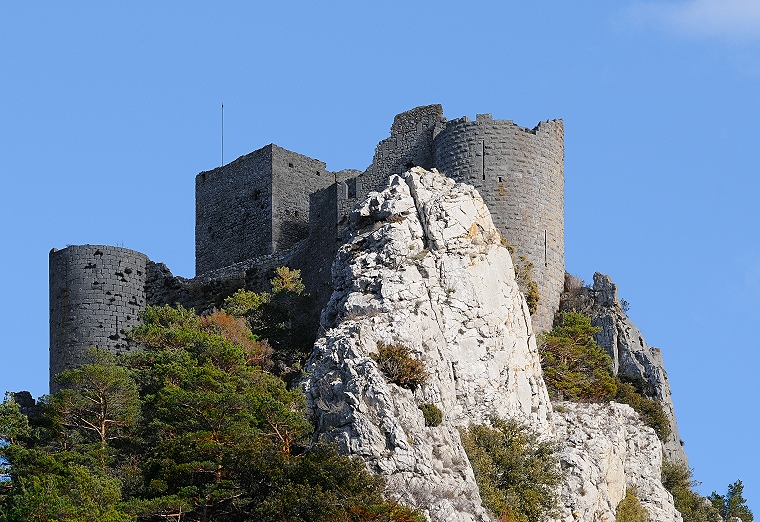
{"x":274,"y":207}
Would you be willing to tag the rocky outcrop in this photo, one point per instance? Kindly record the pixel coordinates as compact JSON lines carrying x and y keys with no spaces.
{"x":632,"y":357}
{"x":606,"y":451}
{"x":424,"y":267}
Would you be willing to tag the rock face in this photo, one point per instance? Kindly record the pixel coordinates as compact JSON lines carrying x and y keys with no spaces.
{"x":631,"y":355}
{"x":424,"y":267}
{"x":606,"y":451}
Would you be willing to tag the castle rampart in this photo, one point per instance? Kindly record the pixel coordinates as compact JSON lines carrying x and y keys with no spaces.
{"x":96,"y":295}
{"x":274,"y":207}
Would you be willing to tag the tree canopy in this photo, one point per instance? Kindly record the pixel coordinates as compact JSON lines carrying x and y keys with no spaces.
{"x":191,"y":427}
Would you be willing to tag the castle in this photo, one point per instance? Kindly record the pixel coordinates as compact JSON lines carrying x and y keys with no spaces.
{"x":274,"y":207}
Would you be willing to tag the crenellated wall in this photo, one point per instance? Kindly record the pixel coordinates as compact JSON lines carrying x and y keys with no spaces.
{"x":519,"y":173}
{"x":96,"y":295}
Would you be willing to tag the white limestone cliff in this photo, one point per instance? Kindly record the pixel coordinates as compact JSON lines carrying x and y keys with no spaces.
{"x":607,"y":450}
{"x":424,"y":267}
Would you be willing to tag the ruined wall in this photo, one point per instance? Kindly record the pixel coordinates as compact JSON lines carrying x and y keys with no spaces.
{"x":410,"y":144}
{"x":96,"y":294}
{"x":519,"y":173}
{"x":233,"y":211}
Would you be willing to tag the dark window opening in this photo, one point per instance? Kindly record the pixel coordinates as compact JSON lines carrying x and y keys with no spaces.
{"x":499,"y":179}
{"x":318,"y":173}
{"x":290,"y":165}
{"x":484,"y":159}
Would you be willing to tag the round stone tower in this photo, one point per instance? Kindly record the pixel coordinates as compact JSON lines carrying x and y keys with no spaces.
{"x":519,"y":172}
{"x":96,"y":295}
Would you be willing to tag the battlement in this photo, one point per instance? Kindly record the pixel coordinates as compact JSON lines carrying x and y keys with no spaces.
{"x":276,"y":207}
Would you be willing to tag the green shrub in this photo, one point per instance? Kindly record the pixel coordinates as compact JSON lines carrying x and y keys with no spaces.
{"x":575,"y":367}
{"x":526,"y":283}
{"x":630,"y":509}
{"x":677,"y":479}
{"x":399,"y":367}
{"x":650,"y":410}
{"x":283,"y":319}
{"x":432,"y":413}
{"x":524,"y":277}
{"x":517,"y":473}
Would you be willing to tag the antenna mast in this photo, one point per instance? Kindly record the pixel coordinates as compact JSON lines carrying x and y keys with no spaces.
{"x":222,"y":135}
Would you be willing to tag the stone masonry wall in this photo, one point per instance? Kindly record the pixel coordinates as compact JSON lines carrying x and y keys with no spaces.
{"x":96,"y":294}
{"x":233,"y":211}
{"x":294,"y":178}
{"x":519,"y":173}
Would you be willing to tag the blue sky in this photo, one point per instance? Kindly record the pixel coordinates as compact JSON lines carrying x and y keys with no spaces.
{"x":108,"y":112}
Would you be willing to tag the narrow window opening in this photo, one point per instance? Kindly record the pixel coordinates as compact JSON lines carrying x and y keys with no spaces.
{"x":499,"y":179}
{"x":546,"y":248}
{"x":290,"y":165}
{"x":317,"y":173}
{"x":484,"y":159}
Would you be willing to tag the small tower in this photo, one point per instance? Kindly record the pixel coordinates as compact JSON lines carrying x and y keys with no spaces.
{"x":96,"y":295}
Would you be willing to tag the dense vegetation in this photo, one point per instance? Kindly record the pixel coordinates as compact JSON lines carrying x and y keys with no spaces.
{"x":732,"y":504}
{"x":281,"y":319}
{"x":193,"y":427}
{"x":516,"y":471}
{"x":677,"y":479}
{"x":577,"y":369}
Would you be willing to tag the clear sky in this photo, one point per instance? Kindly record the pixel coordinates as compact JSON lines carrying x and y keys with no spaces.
{"x":108,"y":112}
